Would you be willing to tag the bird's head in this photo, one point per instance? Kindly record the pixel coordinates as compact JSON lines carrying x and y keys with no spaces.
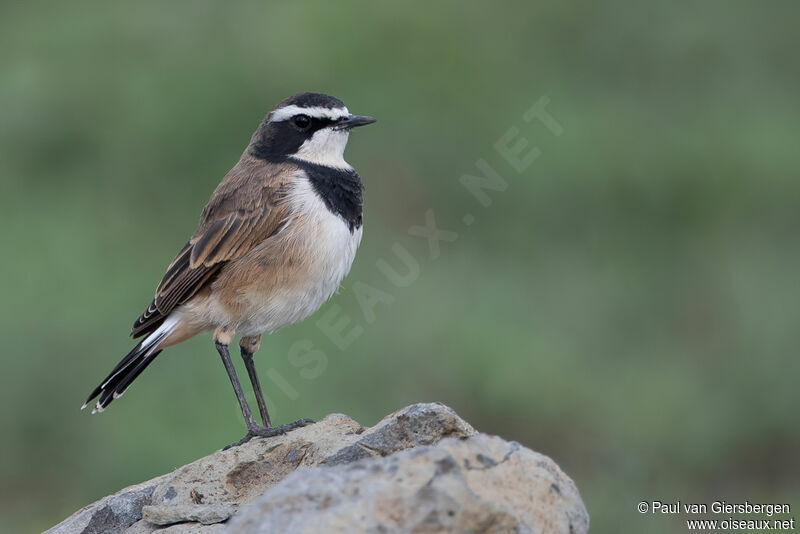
{"x":308,"y":126}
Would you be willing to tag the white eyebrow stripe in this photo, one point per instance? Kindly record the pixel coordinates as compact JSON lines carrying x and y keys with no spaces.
{"x":318,"y":112}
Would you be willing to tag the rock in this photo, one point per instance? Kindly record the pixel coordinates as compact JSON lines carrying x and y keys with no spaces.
{"x":192,"y":528}
{"x":418,"y":424}
{"x":112,"y":514}
{"x":207,"y":514}
{"x":143,"y":527}
{"x":484,"y":484}
{"x":420,"y":469}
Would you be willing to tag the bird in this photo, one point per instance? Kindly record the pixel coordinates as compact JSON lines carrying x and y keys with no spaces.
{"x":274,"y":242}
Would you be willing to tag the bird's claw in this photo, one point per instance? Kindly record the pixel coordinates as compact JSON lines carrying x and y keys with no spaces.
{"x":258,"y":431}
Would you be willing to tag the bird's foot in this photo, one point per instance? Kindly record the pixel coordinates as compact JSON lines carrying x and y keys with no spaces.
{"x":258,"y":431}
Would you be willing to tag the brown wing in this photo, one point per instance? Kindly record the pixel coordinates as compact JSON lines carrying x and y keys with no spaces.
{"x":245,"y":209}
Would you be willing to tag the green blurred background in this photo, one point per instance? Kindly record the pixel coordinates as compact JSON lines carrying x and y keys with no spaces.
{"x":628,"y":306}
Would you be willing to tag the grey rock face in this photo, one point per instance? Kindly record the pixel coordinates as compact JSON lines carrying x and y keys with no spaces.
{"x":420,"y":469}
{"x":109,"y":515}
{"x":483,"y":484}
{"x":207,"y":514}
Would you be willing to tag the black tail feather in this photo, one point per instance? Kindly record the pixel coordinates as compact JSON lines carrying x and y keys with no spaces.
{"x":124,"y":373}
{"x":126,"y":379}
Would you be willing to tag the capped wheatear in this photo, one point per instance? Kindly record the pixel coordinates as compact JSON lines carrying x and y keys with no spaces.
{"x":275,"y":240}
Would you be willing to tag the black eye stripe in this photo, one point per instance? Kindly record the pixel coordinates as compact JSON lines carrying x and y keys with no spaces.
{"x":316,"y":123}
{"x":301,"y":121}
{"x":279,"y":139}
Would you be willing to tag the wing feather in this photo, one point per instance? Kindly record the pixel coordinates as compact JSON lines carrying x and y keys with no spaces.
{"x":241,"y":214}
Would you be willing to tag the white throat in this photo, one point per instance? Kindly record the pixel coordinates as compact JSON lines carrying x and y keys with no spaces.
{"x":326,"y":147}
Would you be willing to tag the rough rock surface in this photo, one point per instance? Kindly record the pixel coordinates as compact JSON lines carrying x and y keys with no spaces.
{"x":420,"y":469}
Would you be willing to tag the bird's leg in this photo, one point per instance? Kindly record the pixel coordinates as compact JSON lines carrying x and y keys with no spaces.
{"x":222,"y":339}
{"x":249,"y":346}
{"x":222,"y":348}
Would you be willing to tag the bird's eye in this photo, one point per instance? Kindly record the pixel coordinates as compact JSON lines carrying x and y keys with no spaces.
{"x":302,"y":121}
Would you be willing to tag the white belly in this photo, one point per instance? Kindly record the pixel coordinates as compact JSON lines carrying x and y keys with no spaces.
{"x":328,"y":249}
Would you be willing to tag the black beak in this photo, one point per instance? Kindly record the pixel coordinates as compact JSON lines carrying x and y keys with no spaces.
{"x":352,"y":121}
